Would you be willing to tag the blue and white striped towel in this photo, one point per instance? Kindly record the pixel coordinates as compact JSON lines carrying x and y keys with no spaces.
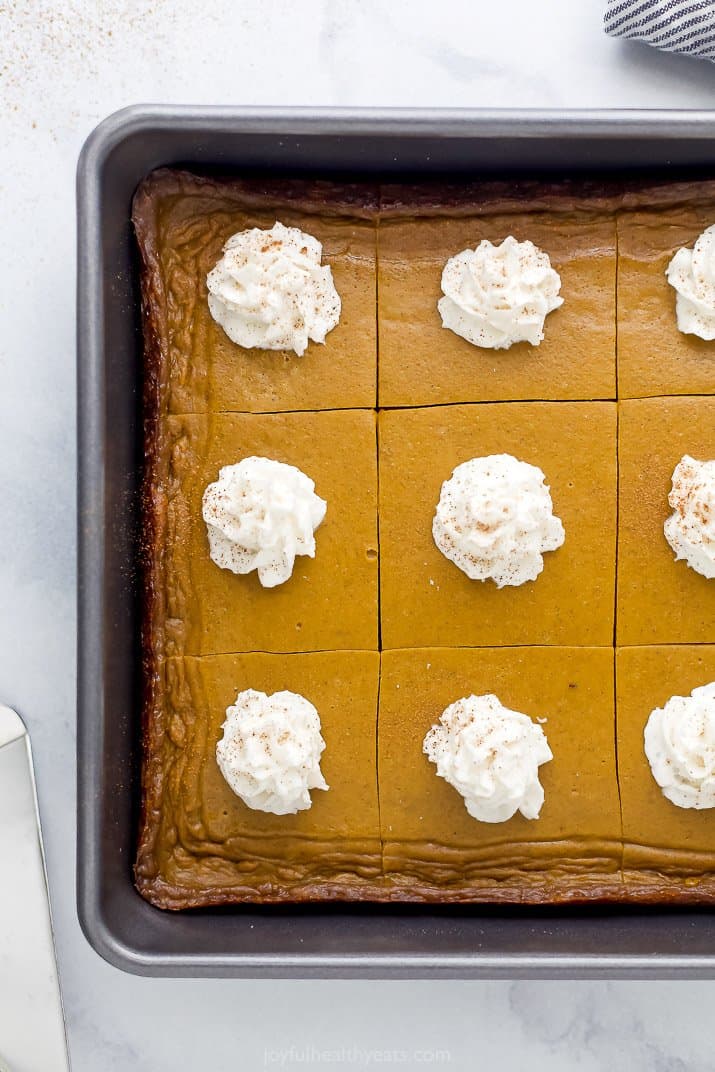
{"x":676,"y":25}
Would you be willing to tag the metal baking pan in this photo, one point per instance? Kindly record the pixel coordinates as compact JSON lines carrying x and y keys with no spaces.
{"x":362,"y":941}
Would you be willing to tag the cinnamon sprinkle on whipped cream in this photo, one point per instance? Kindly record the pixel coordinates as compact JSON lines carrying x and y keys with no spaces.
{"x":270,"y":751}
{"x":260,"y":514}
{"x":679,"y":741}
{"x":491,"y":755}
{"x":270,"y":291}
{"x":692,"y":275}
{"x":495,"y":296}
{"x":495,"y":520}
{"x":690,"y":529}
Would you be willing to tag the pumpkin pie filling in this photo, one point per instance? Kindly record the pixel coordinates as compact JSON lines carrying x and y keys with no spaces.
{"x":654,"y":356}
{"x":660,"y":600}
{"x":668,"y":850}
{"x":330,"y":601}
{"x":379,"y":630}
{"x":182,"y":222}
{"x":575,"y":360}
{"x":425,"y":599}
{"x":433,"y":849}
{"x":204,"y":845}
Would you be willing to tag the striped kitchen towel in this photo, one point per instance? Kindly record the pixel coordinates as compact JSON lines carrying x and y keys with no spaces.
{"x":676,"y":25}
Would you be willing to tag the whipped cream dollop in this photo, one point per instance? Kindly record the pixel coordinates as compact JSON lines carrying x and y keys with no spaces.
{"x":692,"y":274}
{"x":495,"y":296}
{"x":690,"y":529}
{"x":495,"y":520}
{"x":269,"y":290}
{"x":491,"y":755}
{"x":270,"y":751}
{"x":259,"y":515}
{"x":679,"y":742}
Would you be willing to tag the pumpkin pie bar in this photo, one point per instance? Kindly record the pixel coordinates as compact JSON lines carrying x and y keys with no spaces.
{"x":654,"y":357}
{"x":433,"y":848}
{"x":428,"y":601}
{"x":669,"y":852}
{"x":421,"y":363}
{"x":182,"y":222}
{"x":380,"y":631}
{"x":201,"y":845}
{"x":196,"y":608}
{"x":660,"y":600}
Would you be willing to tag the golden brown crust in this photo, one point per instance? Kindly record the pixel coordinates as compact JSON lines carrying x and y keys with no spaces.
{"x":174,"y":897}
{"x":303,"y":195}
{"x":650,"y":887}
{"x":495,"y":197}
{"x":551,"y":890}
{"x":569,"y":196}
{"x":153,"y":511}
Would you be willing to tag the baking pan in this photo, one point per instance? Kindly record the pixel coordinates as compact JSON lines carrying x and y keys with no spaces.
{"x":315,"y":941}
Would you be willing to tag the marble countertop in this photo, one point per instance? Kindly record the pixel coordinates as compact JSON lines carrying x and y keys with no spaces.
{"x":63,"y":66}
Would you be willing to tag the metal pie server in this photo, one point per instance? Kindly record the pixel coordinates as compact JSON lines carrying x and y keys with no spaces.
{"x":32,"y":1031}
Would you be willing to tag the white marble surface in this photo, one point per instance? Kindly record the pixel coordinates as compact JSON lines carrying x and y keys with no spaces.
{"x":28,"y":973}
{"x":63,"y":66}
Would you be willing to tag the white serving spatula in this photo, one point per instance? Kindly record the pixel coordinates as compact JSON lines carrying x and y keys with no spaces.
{"x":32,"y":1031}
